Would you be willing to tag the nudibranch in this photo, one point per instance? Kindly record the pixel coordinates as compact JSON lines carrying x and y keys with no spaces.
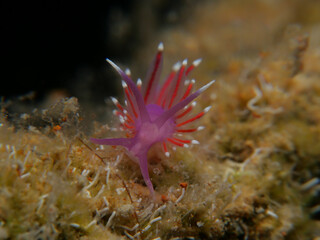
{"x":155,"y":113}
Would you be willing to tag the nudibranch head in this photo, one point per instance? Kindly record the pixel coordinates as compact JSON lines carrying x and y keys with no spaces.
{"x":156,"y":113}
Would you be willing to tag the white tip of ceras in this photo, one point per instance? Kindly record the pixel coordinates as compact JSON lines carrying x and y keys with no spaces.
{"x":127,"y":72}
{"x":186,"y":82}
{"x":205,"y":87}
{"x":207,"y":109}
{"x":195,"y":142}
{"x":114,"y":100}
{"x":139,"y":82}
{"x":185,"y":62}
{"x":197,"y":62}
{"x":194,"y":103}
{"x":176,"y":66}
{"x":167,"y":154}
{"x":185,"y":145}
{"x":115,"y":112}
{"x":200,"y":128}
{"x":124,"y":85}
{"x":160,"y":47}
{"x":121,"y":119}
{"x":193,"y":81}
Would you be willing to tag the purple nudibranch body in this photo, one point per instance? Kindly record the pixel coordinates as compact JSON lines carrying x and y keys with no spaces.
{"x":155,"y":113}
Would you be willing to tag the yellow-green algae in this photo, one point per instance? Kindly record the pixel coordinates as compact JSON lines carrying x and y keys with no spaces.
{"x":244,"y":181}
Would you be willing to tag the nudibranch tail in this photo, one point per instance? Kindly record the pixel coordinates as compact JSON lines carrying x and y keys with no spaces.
{"x":155,"y":113}
{"x":143,"y":162}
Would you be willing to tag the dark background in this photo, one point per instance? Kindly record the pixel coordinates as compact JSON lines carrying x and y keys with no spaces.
{"x":62,"y":45}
